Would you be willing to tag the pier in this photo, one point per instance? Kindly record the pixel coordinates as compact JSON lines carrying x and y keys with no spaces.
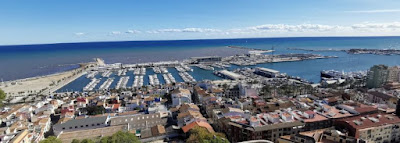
{"x":138,"y":82}
{"x":187,"y":77}
{"x":106,"y":84}
{"x":106,"y":73}
{"x":91,"y":85}
{"x":122,"y":82}
{"x":92,"y":74}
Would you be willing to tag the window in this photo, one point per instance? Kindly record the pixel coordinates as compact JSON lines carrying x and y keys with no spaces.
{"x":92,"y":124}
{"x":76,"y":127}
{"x":70,"y":127}
{"x":63,"y":128}
{"x":87,"y":125}
{"x":98,"y":124}
{"x":81,"y":126}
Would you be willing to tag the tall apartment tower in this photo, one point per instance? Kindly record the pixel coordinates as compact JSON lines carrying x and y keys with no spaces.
{"x":377,"y":76}
{"x":394,"y":74}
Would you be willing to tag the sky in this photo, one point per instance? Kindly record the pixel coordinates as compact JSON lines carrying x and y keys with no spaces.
{"x":56,"y":21}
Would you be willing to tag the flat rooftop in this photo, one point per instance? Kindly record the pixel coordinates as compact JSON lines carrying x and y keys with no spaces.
{"x":268,"y":70}
{"x":230,"y":74}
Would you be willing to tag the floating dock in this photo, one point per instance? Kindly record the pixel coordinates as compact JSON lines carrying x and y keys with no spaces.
{"x":90,"y":86}
{"x":106,"y":84}
{"x":92,"y":74}
{"x":122,"y":82}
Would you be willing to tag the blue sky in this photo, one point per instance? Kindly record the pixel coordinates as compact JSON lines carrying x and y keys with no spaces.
{"x":53,"y":21}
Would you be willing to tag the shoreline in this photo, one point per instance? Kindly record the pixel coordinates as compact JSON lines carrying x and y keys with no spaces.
{"x":43,"y":84}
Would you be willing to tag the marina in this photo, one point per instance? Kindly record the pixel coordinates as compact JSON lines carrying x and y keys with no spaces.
{"x":106,"y":85}
{"x":91,"y":85}
{"x":138,"y":81}
{"x":153,"y":80}
{"x":122,"y":82}
{"x":166,"y":79}
{"x":107,"y":73}
{"x":121,"y":72}
{"x":163,"y":70}
{"x":156,"y":70}
{"x":92,"y":74}
{"x":187,"y":77}
{"x":205,"y":67}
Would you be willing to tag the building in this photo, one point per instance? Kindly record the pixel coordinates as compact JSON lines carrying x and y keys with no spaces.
{"x":180,"y":96}
{"x":269,"y":126}
{"x":229,"y":75}
{"x":139,"y":121}
{"x":80,"y":124}
{"x":327,"y":135}
{"x":394,"y":74}
{"x":377,"y":76}
{"x":267,"y":72}
{"x":381,"y":98}
{"x":378,"y":128}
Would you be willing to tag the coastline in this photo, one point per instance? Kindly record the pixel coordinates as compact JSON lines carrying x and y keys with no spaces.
{"x":43,"y":84}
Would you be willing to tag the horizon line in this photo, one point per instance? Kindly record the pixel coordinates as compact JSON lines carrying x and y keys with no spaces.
{"x":88,"y":42}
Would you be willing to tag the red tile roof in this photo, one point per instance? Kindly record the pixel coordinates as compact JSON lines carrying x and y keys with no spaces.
{"x":187,"y":128}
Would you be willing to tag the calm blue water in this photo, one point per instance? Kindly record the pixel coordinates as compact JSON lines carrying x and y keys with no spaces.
{"x":33,"y":60}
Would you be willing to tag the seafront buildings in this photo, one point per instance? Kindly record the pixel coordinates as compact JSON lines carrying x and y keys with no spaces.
{"x":246,"y":104}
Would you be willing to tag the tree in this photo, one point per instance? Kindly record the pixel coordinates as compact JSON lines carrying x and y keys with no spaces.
{"x":51,"y":139}
{"x":94,"y":110}
{"x":201,"y":135}
{"x":75,"y":141}
{"x":120,"y":137}
{"x":2,"y":96}
{"x":87,"y":141}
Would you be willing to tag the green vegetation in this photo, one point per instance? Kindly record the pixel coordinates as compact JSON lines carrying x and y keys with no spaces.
{"x":201,"y":135}
{"x":51,"y":139}
{"x":2,"y":97}
{"x":83,"y":141}
{"x":120,"y":137}
{"x":94,"y":110}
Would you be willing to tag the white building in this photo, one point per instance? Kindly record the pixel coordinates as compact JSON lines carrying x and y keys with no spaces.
{"x":180,"y":96}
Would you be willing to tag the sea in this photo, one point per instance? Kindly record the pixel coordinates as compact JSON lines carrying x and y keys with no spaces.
{"x":23,"y":61}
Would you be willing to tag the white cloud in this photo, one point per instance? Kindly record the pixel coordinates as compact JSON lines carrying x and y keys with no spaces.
{"x":132,"y":31}
{"x":288,"y":28}
{"x":185,"y":30}
{"x":115,"y":33}
{"x":382,"y":26}
{"x":79,"y":34}
{"x":376,"y":11}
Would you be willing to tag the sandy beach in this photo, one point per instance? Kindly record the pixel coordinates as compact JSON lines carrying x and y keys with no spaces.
{"x":42,"y":84}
